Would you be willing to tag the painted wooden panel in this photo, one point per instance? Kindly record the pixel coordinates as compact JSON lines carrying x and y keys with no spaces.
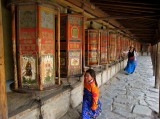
{"x":112,"y":38}
{"x":74,"y":45}
{"x":92,"y":47}
{"x":71,"y":45}
{"x":103,"y":47}
{"x":27,"y":46}
{"x":36,"y":46}
{"x":119,"y":50}
{"x":47,"y":46}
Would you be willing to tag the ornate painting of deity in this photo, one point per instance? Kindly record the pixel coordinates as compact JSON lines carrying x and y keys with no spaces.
{"x":47,"y":70}
{"x":28,"y":71}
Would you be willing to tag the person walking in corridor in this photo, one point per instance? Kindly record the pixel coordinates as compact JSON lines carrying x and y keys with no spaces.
{"x":91,"y":106}
{"x":132,"y":60}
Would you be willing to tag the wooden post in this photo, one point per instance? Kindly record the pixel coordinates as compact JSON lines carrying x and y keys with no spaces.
{"x":141,"y":50}
{"x":3,"y":97}
{"x":83,"y":39}
{"x":154,"y":61}
{"x":158,"y":70}
{"x":83,"y":46}
{"x":156,"y":67}
{"x":14,"y":47}
{"x":39,"y":49}
{"x":58,"y":39}
{"x":152,"y":58}
{"x":99,"y":56}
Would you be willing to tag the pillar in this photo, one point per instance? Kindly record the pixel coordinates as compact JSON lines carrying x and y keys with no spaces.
{"x":158,"y":70}
{"x":156,"y":65}
{"x":3,"y":97}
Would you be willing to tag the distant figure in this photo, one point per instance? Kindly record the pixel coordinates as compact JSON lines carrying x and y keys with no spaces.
{"x":91,"y":106}
{"x":132,"y":60}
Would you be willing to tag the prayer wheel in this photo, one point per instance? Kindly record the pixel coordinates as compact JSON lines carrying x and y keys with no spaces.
{"x":92,"y":42}
{"x":119,"y":50}
{"x":112,"y":44}
{"x":71,"y":45}
{"x":103,"y":47}
{"x":34,"y":38}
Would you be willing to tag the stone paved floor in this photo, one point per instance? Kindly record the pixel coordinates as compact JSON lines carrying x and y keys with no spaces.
{"x":128,"y":96}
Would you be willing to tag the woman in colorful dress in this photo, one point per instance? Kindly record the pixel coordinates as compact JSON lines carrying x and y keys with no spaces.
{"x":132,"y":61}
{"x":91,"y":106}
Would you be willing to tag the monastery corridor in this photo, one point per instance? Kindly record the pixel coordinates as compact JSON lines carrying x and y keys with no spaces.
{"x":128,"y":96}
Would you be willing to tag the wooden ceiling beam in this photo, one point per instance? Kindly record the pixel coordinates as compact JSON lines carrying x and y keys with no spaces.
{"x":121,"y":17}
{"x":146,"y":34}
{"x":120,"y":9}
{"x":133,"y":29}
{"x":126,"y":2}
{"x":126,"y":6}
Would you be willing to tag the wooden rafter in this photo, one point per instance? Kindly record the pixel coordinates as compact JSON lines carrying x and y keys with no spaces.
{"x":125,"y":10}
{"x":128,"y":2}
{"x":128,"y":6}
{"x":122,"y":17}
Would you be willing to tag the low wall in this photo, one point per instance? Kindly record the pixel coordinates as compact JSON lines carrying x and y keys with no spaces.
{"x":54,"y":107}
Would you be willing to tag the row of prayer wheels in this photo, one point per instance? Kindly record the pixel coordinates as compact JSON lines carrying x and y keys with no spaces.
{"x":47,"y":44}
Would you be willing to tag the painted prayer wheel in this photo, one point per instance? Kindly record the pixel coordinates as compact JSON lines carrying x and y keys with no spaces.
{"x":123,"y":45}
{"x":125,"y":39}
{"x":92,"y":41}
{"x":138,"y":47}
{"x":119,"y":50}
{"x":71,"y":45}
{"x":112,"y":44}
{"x":103,"y":47}
{"x":35,"y":42}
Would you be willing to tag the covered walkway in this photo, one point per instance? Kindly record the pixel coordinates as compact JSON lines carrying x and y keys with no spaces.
{"x":47,"y":45}
{"x":128,"y":96}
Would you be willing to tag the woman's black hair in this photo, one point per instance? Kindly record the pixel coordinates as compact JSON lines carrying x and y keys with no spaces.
{"x":93,"y":75}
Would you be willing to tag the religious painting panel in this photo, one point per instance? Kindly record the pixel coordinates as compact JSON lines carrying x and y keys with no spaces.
{"x":29,"y":71}
{"x":47,"y":46}
{"x":47,"y":70}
